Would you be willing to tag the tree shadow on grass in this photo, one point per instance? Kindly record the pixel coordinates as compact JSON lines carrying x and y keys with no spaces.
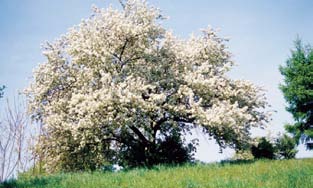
{"x":236,"y":162}
{"x":32,"y":182}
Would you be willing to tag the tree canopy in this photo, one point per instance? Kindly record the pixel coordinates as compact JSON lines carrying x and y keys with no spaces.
{"x":298,"y":90}
{"x":119,"y":81}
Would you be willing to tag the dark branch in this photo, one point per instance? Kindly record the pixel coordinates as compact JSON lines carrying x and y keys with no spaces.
{"x":140,"y":135}
{"x":158,"y":125}
{"x":184,"y":119}
{"x":122,"y":3}
{"x":123,"y":49}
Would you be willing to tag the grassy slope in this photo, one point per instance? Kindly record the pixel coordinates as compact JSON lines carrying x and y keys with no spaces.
{"x":280,"y":174}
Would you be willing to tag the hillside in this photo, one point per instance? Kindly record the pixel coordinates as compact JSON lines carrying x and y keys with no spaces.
{"x":279,"y":173}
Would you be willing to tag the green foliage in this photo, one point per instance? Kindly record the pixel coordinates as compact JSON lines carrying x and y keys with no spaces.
{"x":264,"y":149}
{"x":298,"y":89}
{"x":259,"y":174}
{"x":285,"y":147}
{"x":282,"y":147}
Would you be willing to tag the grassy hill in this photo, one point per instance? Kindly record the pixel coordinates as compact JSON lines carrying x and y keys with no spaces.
{"x":264,"y":173}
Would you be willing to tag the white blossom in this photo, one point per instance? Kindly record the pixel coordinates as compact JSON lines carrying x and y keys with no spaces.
{"x":115,"y":64}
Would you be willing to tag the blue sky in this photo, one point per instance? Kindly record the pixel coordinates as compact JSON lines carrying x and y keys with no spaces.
{"x":261,"y":35}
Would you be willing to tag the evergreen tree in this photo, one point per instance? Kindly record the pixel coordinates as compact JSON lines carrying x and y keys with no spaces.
{"x":298,"y":91}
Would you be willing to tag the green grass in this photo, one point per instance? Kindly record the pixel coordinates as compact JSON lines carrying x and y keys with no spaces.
{"x":263,"y":173}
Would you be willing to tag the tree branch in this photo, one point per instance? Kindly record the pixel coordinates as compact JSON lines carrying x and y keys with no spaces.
{"x":140,"y":135}
{"x":123,"y":49}
{"x":122,"y":3}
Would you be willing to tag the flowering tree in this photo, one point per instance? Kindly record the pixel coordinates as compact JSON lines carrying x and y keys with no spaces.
{"x":121,"y":75}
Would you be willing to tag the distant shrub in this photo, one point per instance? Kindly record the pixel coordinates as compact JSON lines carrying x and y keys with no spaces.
{"x":263,"y":149}
{"x":285,"y":147}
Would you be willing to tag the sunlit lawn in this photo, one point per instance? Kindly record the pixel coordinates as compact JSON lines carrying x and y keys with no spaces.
{"x":263,"y":173}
